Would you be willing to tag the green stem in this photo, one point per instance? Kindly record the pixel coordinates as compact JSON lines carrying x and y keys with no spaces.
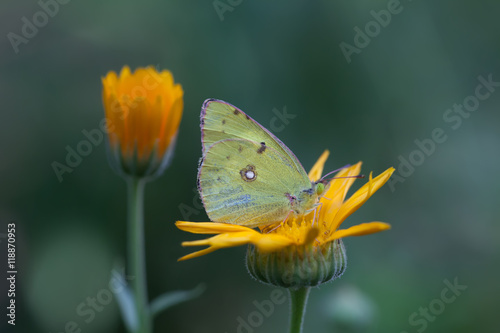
{"x":298,"y":302}
{"x":136,"y":253}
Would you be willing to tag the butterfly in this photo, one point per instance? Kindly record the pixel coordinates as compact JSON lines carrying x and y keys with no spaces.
{"x":247,"y":176}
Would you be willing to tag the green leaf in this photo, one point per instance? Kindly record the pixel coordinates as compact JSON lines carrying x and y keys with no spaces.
{"x":172,"y":298}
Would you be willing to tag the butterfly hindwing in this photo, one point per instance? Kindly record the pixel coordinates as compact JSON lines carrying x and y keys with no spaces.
{"x":246,"y":182}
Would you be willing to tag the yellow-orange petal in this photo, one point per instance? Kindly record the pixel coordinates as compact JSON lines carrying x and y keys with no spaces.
{"x":317,"y":169}
{"x":272,"y":242}
{"x":218,"y":242}
{"x":360,"y":197}
{"x":197,"y":254}
{"x":170,"y":123}
{"x":209,"y":227}
{"x":337,"y":191}
{"x":224,"y":240}
{"x":268,"y":242}
{"x":125,"y":73}
{"x":360,"y":230}
{"x":339,"y":187}
{"x":265,"y":242}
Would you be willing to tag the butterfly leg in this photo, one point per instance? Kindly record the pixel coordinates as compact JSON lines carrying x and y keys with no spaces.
{"x":320,"y":204}
{"x":316,"y":213}
{"x":281,"y":223}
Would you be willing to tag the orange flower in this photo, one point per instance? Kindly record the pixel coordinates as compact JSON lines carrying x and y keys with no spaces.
{"x":143,"y":112}
{"x":314,"y":230}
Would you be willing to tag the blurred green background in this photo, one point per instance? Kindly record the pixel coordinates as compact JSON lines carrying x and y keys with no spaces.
{"x":262,"y":56}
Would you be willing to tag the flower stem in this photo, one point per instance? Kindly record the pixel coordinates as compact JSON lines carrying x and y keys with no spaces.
{"x":298,"y":302}
{"x":136,"y":253}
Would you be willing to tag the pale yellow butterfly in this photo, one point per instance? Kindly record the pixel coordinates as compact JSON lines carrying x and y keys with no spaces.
{"x":247,"y":176}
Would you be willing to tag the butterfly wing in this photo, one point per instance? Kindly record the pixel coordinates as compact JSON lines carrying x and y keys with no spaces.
{"x":221,"y":120}
{"x":247,"y":183}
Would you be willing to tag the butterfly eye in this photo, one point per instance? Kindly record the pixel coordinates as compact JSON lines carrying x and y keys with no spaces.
{"x":248,"y":174}
{"x":320,"y":187}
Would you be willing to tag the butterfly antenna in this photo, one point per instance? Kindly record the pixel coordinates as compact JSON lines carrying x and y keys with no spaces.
{"x":328,"y":174}
{"x":358,"y":176}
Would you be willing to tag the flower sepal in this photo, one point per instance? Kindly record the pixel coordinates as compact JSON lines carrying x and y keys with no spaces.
{"x":297,"y":267}
{"x":150,"y":167}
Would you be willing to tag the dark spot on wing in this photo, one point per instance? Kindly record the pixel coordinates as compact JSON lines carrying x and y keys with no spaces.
{"x":223,"y":121}
{"x":202,"y":121}
{"x":228,"y":157}
{"x":240,"y":148}
{"x":262,"y":148}
{"x":218,"y":179}
{"x":291,"y":198}
{"x":248,"y":118}
{"x":236,"y":112}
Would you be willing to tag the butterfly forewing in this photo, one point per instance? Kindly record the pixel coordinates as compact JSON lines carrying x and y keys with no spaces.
{"x":221,"y":120}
